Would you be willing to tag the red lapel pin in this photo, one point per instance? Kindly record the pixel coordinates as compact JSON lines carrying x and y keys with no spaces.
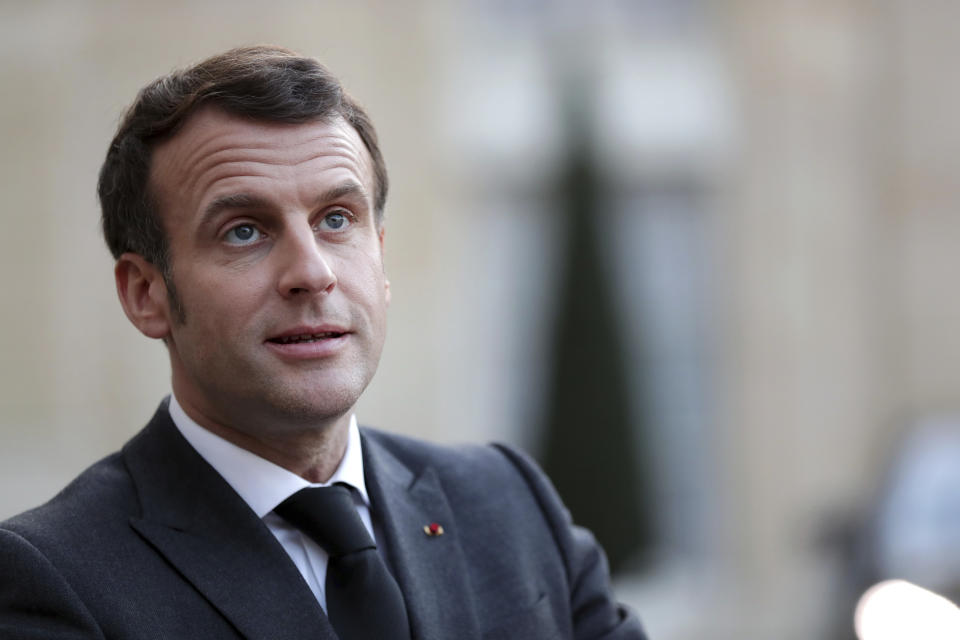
{"x":433,"y":529}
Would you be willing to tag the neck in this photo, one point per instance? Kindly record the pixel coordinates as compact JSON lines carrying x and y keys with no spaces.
{"x":312,"y":453}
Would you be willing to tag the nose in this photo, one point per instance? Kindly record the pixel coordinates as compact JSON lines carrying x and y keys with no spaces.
{"x":304,"y":267}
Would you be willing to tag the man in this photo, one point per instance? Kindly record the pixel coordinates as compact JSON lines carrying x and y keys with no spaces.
{"x":243,"y":201}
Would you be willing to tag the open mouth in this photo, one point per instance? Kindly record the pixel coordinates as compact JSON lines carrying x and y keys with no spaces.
{"x":307,"y":337}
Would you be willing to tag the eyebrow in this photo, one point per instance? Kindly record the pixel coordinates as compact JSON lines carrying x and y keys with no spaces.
{"x":239,"y":201}
{"x":246,"y":201}
{"x":349,"y":189}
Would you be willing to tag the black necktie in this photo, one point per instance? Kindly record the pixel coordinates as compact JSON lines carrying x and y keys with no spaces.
{"x":363,"y":600}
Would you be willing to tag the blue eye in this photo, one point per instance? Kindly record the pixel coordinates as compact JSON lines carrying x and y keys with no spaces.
{"x":335,"y":221}
{"x":242,"y":234}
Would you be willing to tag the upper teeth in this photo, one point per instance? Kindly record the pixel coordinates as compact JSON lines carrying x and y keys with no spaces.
{"x":307,"y":337}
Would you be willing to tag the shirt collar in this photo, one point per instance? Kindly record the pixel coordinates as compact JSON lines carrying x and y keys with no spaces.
{"x":262,"y":484}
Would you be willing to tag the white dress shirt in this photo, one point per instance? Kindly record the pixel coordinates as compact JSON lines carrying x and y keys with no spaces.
{"x":263,"y":485}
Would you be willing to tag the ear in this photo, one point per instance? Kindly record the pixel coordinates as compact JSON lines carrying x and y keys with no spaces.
{"x":143,"y":294}
{"x":386,"y":282}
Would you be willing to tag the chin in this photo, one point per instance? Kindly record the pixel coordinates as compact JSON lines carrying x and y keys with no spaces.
{"x":314,"y":408}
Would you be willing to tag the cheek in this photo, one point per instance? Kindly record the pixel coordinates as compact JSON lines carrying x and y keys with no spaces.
{"x":229,"y":299}
{"x":361,"y":273}
{"x":375,"y":290}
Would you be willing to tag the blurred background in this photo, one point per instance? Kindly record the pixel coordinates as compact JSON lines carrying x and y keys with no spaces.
{"x":698,"y":257}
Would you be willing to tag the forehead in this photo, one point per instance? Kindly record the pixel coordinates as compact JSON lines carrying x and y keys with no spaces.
{"x":215,"y":152}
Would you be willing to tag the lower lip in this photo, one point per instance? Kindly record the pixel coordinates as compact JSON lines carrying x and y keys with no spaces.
{"x":309,"y":350}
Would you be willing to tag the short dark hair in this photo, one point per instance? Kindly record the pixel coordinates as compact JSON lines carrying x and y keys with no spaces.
{"x":262,"y":82}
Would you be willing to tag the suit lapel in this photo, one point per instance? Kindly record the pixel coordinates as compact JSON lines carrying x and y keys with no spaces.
{"x":201,"y":526}
{"x":431,"y":570}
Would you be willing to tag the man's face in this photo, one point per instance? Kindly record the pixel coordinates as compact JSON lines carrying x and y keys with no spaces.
{"x":277,"y":260}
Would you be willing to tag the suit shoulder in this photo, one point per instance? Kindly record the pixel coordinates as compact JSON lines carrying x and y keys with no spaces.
{"x":489,"y":460}
{"x":97,"y":495}
{"x":476,"y":474}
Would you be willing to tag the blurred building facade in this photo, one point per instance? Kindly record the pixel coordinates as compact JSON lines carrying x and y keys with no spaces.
{"x":779,"y":233}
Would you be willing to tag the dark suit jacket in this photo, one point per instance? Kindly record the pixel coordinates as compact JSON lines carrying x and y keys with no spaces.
{"x":151,"y":542}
